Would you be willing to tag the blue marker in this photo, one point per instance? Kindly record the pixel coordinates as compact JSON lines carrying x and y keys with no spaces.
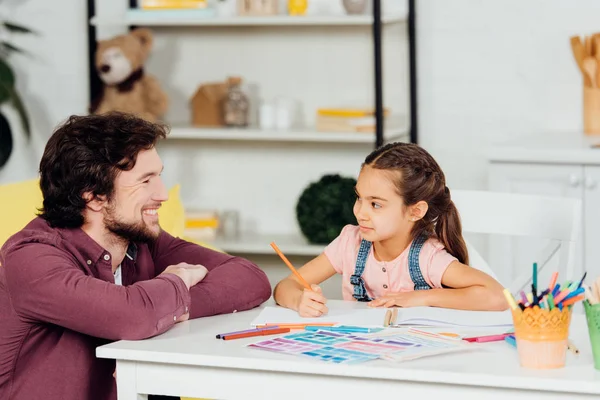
{"x":511,"y":340}
{"x":342,"y":329}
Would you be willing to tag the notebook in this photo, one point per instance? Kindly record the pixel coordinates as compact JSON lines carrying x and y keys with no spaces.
{"x":443,"y":317}
{"x":339,"y":313}
{"x":358,"y":314}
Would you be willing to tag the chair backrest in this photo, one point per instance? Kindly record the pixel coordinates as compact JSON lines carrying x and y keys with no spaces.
{"x":555,"y":218}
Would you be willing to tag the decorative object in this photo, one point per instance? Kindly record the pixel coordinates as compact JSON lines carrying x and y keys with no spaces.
{"x":127,"y":88}
{"x":236,"y":104}
{"x":355,"y":6}
{"x":226,"y":8}
{"x":285,"y":113}
{"x":266,"y":116}
{"x":258,"y":7}
{"x":8,"y":89}
{"x":297,"y":7}
{"x":325,"y":207}
{"x":207,"y":104}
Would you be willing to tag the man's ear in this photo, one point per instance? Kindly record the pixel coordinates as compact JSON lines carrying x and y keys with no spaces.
{"x":94,"y":203}
{"x":417,"y":211}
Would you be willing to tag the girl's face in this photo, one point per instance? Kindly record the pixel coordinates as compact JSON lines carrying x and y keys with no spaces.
{"x":379,"y":209}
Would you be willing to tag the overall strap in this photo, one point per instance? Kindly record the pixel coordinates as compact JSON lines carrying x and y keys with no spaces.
{"x":413,"y":263}
{"x":360,"y":291}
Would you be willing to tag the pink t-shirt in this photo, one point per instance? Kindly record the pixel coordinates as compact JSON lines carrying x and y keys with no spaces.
{"x":382,"y":277}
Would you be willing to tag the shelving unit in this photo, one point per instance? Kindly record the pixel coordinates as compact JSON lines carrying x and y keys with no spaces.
{"x":294,"y":135}
{"x":279,"y":20}
{"x":250,"y":243}
{"x":201,"y":159}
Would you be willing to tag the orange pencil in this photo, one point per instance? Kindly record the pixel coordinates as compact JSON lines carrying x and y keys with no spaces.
{"x":290,"y":266}
{"x":553,"y":280}
{"x":257,"y":333}
{"x":573,"y":300}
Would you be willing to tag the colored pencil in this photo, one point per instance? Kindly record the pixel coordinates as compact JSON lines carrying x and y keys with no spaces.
{"x":290,"y":266}
{"x":260,"y":332}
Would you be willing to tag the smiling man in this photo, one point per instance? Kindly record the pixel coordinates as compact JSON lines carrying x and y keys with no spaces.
{"x":95,"y":266}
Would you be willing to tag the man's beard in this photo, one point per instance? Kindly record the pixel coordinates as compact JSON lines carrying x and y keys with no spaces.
{"x":137,"y":232}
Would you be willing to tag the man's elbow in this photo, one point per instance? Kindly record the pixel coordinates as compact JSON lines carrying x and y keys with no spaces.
{"x":264,"y":287}
{"x":260,"y":283}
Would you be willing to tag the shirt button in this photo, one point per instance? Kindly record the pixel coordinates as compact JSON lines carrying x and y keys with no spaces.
{"x":385,"y":286}
{"x":106,"y":257}
{"x":174,"y":318}
{"x":186,"y":310}
{"x":383,"y":269}
{"x":89,"y":262}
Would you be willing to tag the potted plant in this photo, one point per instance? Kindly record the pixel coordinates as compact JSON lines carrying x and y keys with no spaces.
{"x":8,"y":90}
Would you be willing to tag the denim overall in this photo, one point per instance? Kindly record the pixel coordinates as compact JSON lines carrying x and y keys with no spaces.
{"x":360,"y":292}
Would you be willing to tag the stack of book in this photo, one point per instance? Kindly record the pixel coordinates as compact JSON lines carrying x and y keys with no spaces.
{"x":347,"y":119}
{"x":201,"y":224}
{"x":171,"y":4}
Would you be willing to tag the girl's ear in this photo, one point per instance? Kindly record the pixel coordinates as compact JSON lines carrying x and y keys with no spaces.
{"x":417,"y":211}
{"x":94,"y":203}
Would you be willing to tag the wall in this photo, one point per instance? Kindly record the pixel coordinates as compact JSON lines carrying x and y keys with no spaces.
{"x":52,"y":81}
{"x":494,"y":70}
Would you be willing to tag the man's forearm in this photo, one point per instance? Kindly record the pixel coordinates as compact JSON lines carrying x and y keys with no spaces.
{"x":236,"y":285}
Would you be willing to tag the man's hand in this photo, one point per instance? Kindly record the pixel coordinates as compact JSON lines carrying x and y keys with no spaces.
{"x":191,"y":274}
{"x":416,"y":298}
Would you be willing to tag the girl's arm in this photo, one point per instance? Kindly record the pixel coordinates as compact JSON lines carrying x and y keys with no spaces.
{"x":467,"y":289}
{"x":290,"y":293}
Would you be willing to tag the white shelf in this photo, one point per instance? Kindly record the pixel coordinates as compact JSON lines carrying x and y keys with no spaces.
{"x":298,"y":135}
{"x":148,"y":19}
{"x":290,"y":244}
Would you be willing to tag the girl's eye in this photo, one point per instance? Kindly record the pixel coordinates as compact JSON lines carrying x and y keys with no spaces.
{"x":376,"y":205}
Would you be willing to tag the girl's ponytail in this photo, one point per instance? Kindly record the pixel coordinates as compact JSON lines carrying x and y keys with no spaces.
{"x":448,"y":230}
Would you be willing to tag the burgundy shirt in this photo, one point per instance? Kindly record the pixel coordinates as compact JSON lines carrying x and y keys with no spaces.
{"x":58,"y":302}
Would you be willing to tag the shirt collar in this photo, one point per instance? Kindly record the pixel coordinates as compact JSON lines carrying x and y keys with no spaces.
{"x":89,"y":248}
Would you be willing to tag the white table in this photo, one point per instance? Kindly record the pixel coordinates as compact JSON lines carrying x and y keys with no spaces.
{"x":189,"y":361}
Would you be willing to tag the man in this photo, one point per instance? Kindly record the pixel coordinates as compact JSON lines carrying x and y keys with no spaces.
{"x":95,"y":267}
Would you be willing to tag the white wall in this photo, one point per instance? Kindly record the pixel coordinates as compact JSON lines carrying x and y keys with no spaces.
{"x":494,"y":69}
{"x":53,"y":81}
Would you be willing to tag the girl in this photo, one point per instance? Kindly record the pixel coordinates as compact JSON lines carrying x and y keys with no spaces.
{"x":407,"y":248}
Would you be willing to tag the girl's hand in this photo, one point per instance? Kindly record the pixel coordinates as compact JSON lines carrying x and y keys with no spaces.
{"x":312,"y":303}
{"x":416,"y":298}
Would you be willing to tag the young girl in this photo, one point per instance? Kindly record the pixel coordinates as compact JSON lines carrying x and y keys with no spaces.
{"x":407,"y":248}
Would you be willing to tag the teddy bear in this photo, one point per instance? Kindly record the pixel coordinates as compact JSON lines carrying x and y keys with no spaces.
{"x":126,"y":87}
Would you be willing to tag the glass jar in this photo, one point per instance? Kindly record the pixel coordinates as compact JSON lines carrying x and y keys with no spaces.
{"x":236,"y":104}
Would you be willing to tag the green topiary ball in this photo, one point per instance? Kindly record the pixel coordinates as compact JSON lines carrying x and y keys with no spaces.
{"x":325,"y":207}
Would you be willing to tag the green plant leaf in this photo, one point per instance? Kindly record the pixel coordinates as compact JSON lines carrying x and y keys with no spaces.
{"x":18,"y":28}
{"x":20,"y":107}
{"x":7,"y":76}
{"x":13,"y":48}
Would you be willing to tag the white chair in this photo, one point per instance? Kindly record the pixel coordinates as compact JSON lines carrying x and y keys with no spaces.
{"x":555,"y":218}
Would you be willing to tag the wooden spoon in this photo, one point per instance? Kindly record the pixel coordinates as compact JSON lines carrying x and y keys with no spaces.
{"x":579,"y":54}
{"x":590,"y":66}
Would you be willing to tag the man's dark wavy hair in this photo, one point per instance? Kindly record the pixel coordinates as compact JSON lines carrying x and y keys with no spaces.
{"x":85,"y":154}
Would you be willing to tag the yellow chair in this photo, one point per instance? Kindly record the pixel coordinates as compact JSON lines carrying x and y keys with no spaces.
{"x":20,"y":202}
